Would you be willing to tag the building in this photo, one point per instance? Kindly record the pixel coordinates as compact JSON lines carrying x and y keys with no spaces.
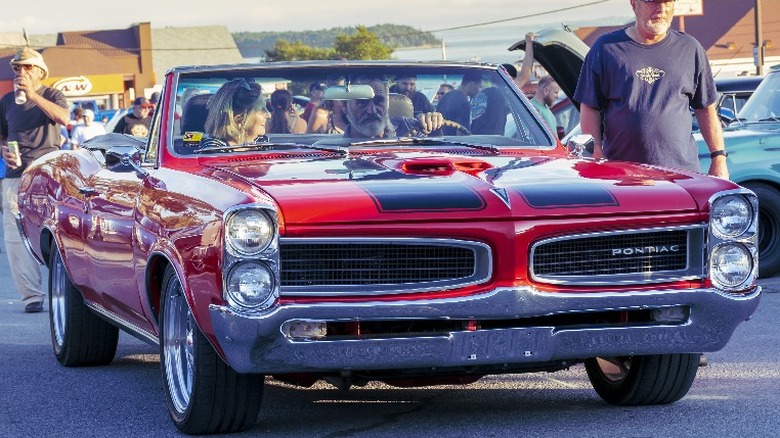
{"x":110,"y":68}
{"x":726,"y":29}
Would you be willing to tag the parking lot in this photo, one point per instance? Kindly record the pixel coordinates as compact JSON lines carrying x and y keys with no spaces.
{"x":736,"y":395}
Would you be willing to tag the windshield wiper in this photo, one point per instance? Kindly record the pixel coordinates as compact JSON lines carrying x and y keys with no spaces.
{"x":770,"y":119}
{"x":425,"y":141}
{"x":264,"y":146}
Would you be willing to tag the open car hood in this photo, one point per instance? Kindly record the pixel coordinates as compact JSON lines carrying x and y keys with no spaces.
{"x":561,"y":53}
{"x":420,"y":186}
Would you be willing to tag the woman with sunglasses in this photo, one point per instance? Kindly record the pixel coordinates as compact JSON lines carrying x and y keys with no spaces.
{"x":236,"y":114}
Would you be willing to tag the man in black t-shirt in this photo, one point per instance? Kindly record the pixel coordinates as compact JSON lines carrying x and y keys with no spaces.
{"x":138,"y":121}
{"x":407,"y":85}
{"x":456,"y":105}
{"x":34,"y":124}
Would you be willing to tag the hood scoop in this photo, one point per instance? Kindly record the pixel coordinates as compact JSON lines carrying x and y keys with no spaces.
{"x":437,"y":166}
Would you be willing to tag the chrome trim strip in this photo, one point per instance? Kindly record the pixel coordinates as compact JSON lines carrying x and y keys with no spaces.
{"x":695,"y":269}
{"x":26,"y":239}
{"x":123,"y":324}
{"x":483,"y":268}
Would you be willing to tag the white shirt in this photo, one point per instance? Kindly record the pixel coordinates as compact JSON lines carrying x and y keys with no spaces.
{"x":82,"y":133}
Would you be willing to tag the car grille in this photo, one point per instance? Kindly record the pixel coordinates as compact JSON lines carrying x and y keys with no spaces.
{"x":625,"y":257}
{"x":380,"y":266}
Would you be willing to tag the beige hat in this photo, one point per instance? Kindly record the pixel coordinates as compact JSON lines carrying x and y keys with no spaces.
{"x":28,"y":56}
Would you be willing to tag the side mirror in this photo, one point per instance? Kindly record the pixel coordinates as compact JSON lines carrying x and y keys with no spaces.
{"x":580,"y":144}
{"x":726,"y":115}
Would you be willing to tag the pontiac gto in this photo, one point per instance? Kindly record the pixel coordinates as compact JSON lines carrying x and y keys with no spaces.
{"x":413,"y":260}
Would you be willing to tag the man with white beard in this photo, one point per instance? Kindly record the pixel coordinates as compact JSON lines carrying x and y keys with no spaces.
{"x":637,"y":86}
{"x":369,"y":118}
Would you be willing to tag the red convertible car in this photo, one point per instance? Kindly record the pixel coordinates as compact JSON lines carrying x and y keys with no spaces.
{"x":395,"y":250}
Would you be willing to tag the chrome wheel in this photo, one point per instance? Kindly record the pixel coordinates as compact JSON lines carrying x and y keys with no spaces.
{"x":58,"y":302}
{"x":178,"y":346}
{"x":614,"y":369}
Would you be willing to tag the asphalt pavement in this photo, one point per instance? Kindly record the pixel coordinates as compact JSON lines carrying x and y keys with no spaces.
{"x":737,"y":395}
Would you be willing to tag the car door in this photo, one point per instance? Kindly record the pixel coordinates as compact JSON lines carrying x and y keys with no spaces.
{"x":109,"y":230}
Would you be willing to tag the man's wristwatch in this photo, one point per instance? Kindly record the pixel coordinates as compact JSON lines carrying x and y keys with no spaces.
{"x":714,"y":154}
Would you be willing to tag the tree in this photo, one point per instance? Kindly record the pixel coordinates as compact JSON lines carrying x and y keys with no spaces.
{"x":297,"y":51}
{"x":361,"y":45}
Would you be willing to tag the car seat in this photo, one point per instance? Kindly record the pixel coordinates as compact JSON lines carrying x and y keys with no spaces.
{"x":194,"y":113}
{"x":400,"y":106}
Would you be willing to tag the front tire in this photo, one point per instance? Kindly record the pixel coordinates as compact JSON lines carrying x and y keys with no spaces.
{"x":768,"y":228}
{"x":204,"y":394}
{"x":78,"y":336}
{"x":642,"y":380}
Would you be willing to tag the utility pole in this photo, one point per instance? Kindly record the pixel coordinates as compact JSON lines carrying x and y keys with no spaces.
{"x":759,"y":41}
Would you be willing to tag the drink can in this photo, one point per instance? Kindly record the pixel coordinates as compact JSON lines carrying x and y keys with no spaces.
{"x":20,"y":96}
{"x":14,"y":148}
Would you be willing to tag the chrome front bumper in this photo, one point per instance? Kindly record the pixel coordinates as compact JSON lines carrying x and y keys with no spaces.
{"x":256,"y":344}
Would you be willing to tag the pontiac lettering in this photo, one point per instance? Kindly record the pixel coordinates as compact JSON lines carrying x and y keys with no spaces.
{"x":641,"y":250}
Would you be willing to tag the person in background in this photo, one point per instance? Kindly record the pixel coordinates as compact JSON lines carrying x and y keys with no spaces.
{"x":89,"y":129}
{"x":443,"y":89}
{"x":546,"y":94}
{"x":406,"y":84}
{"x":523,"y":77}
{"x":137,"y":122}
{"x":35,"y":126}
{"x":236,"y":114}
{"x":154,"y":99}
{"x":456,"y":105}
{"x":315,"y":98}
{"x":284,"y":118}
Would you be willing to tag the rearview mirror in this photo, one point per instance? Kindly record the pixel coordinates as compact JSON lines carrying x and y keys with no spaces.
{"x":348,"y":92}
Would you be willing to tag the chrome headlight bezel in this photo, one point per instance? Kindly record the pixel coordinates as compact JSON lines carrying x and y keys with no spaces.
{"x":248,"y":224}
{"x":260,"y":258}
{"x":727,"y":208}
{"x":731,"y":216}
{"x":236,"y":286}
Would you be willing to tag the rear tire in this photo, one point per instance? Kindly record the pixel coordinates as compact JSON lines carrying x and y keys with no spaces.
{"x":642,"y":380}
{"x":768,"y":228}
{"x":78,"y":336}
{"x":204,"y":395}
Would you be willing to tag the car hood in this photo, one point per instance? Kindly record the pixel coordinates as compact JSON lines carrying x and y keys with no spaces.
{"x":561,"y":53}
{"x":435,"y":187}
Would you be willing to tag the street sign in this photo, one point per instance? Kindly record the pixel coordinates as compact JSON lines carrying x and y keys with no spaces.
{"x":688,"y":7}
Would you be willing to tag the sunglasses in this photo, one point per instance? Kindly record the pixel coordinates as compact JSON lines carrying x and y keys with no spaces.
{"x":19,"y":67}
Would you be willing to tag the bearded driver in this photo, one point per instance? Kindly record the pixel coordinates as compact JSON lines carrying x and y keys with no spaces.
{"x":369,"y":118}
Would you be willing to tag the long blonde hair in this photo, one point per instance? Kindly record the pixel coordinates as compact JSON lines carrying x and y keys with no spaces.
{"x":237,"y":97}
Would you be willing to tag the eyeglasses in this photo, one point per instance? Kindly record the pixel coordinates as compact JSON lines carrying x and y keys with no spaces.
{"x":19,"y":67}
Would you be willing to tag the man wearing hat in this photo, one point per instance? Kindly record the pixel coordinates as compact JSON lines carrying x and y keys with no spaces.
{"x":87,"y":130}
{"x":138,"y":121}
{"x":34,"y":125}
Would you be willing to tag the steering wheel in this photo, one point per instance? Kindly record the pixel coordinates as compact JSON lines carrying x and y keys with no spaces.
{"x":457,"y":126}
{"x":417,"y":131}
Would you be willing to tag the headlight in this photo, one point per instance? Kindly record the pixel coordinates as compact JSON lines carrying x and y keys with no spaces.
{"x":731,"y":265}
{"x":249,"y":231}
{"x":251,"y":285}
{"x":730,"y":216}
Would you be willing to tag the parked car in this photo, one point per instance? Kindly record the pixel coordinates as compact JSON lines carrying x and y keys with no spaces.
{"x":413,"y":260}
{"x":735,"y":92}
{"x":753,"y":141}
{"x":753,"y":157}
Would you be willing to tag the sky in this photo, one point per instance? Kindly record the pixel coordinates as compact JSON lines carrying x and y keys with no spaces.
{"x":52,"y":16}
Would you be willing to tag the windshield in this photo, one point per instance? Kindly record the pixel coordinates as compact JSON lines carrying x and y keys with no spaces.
{"x":340,"y":105}
{"x":764,"y":104}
